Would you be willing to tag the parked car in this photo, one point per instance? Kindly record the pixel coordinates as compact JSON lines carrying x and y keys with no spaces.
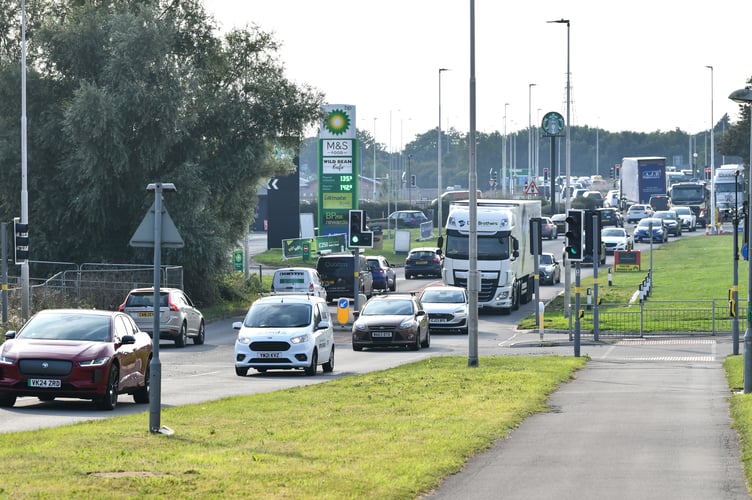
{"x":659,"y":202}
{"x":637,"y":212}
{"x":407,"y":218}
{"x":179,"y":319}
{"x":642,"y":231}
{"x":447,"y":308}
{"x":76,"y":353}
{"x":616,"y":238}
{"x":338,"y":275}
{"x":550,"y":269}
{"x":384,"y":276}
{"x":560,"y":221}
{"x":610,"y":217}
{"x":391,"y":320}
{"x":687,"y":217}
{"x":285,"y":332}
{"x":548,"y":229}
{"x":423,"y":261}
{"x":671,"y":221}
{"x":298,"y":280}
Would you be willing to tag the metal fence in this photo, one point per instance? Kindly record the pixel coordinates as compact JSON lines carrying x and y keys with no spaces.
{"x":656,"y":317}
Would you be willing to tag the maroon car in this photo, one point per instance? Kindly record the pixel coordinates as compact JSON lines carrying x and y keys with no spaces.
{"x":76,"y":353}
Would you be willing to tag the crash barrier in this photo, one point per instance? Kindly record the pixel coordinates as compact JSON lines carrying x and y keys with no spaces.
{"x":665,"y":317}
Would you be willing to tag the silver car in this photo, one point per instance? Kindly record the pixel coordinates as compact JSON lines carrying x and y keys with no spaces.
{"x":447,"y":308}
{"x":178,"y":317}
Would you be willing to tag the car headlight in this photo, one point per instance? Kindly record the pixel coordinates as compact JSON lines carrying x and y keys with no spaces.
{"x":95,"y":362}
{"x":361,"y":327}
{"x":407,"y":323}
{"x":5,"y":360}
{"x":301,"y":339}
{"x":244,"y":339}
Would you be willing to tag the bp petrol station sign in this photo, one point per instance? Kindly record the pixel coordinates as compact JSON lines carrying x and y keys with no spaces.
{"x":338,"y":168}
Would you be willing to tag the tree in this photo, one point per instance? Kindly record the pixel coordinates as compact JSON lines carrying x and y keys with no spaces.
{"x":129,"y":93}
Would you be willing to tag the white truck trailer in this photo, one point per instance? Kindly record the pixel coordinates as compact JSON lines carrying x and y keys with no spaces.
{"x":505,"y":264}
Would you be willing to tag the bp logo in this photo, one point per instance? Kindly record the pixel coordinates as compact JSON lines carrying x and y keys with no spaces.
{"x":337,"y":122}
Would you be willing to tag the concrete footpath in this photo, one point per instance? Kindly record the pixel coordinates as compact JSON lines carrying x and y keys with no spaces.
{"x":645,"y":419}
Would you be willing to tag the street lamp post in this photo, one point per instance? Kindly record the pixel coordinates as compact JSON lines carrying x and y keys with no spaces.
{"x":568,"y":155}
{"x":374,"y":159}
{"x":744,"y":96}
{"x":504,"y":141}
{"x":529,"y":130}
{"x":440,"y":220}
{"x":712,"y":158}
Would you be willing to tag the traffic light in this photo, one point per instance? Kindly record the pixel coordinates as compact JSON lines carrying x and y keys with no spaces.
{"x":20,"y":241}
{"x":611,"y":172}
{"x":617,"y":167}
{"x":536,"y":238}
{"x":545,"y":174}
{"x":413,"y":181}
{"x":494,"y":176}
{"x":573,"y":248}
{"x":590,"y":231}
{"x":358,"y":237}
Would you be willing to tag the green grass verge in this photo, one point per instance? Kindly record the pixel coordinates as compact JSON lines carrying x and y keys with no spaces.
{"x":741,"y":411}
{"x":387,"y":434}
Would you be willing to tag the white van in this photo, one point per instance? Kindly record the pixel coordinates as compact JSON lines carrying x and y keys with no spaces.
{"x":298,"y":280}
{"x":285,"y":332}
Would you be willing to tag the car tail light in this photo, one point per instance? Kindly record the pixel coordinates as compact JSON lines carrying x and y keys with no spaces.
{"x":310,"y":288}
{"x":436,"y":259}
{"x":380,"y":271}
{"x":171,"y":305}
{"x":122,"y":306}
{"x":407,"y":261}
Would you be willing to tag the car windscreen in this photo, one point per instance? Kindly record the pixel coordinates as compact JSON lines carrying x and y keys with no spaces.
{"x":442,"y":296}
{"x":491,"y":247}
{"x":387,"y":307}
{"x":546,"y":259}
{"x":278,"y":315}
{"x":145,"y":299}
{"x":64,"y":326}
{"x":612,"y":232}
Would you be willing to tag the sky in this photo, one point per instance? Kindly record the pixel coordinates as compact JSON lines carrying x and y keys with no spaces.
{"x":636,"y":65}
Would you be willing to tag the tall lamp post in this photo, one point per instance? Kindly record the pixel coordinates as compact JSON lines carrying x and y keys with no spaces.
{"x":568,"y":156}
{"x":712,"y":158}
{"x":374,"y":159}
{"x":440,"y":220}
{"x":504,"y":141}
{"x":744,"y":96}
{"x":530,"y":130}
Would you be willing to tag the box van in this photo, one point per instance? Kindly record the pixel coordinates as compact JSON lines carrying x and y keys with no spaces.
{"x":338,"y":276}
{"x":298,"y":280}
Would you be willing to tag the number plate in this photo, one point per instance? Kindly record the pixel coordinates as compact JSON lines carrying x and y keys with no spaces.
{"x":268,"y":355}
{"x":438,"y":320}
{"x":381,"y":334}
{"x":145,"y":314}
{"x":421,"y":262}
{"x":44,"y":382}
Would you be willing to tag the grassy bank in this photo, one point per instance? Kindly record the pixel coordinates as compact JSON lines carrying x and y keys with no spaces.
{"x":388,"y":434}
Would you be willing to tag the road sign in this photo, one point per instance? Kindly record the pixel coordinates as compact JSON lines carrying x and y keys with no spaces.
{"x":531,"y":188}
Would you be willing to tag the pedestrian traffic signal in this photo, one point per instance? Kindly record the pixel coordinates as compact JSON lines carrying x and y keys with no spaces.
{"x":573,"y":248}
{"x":20,"y":241}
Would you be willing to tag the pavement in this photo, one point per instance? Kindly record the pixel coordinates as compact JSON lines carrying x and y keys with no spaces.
{"x":645,"y":419}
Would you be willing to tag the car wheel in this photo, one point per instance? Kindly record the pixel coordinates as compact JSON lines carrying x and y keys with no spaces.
{"x":464,"y":331}
{"x":180,"y":341}
{"x":394,"y":285}
{"x":328,"y":367}
{"x":108,"y":401}
{"x":415,"y":346}
{"x":7,"y":400}
{"x":201,"y":336}
{"x":357,"y":347}
{"x":241,"y":371}
{"x":427,"y":343}
{"x":141,"y":396}
{"x":311,"y":369}
{"x":516,"y":297}
{"x":408,"y":276}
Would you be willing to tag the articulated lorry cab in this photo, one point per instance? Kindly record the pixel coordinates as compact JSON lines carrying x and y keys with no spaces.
{"x":729,"y":190}
{"x":505,"y":264}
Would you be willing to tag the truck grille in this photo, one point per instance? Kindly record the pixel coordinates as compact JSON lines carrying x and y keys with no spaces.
{"x":487,"y":287}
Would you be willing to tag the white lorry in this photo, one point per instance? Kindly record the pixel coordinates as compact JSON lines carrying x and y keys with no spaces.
{"x":505,"y":264}
{"x":729,"y":191}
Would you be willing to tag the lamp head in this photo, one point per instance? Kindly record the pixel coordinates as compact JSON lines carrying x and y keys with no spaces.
{"x":742,"y":96}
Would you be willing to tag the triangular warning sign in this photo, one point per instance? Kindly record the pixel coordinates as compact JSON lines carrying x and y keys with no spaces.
{"x":532,"y":188}
{"x":144,"y":235}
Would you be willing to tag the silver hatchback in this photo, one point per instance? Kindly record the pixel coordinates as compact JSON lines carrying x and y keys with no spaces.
{"x":178,"y":317}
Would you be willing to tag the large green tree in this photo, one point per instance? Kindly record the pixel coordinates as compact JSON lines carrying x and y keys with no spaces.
{"x":124,"y":93}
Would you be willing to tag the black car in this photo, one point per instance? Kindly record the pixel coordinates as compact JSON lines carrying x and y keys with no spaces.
{"x":424,"y":261}
{"x":611,"y":217}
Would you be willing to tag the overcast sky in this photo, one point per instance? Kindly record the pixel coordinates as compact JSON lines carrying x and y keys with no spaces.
{"x":636,"y":65}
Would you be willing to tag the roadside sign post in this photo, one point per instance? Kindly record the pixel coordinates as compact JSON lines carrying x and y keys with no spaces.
{"x":157,"y":230}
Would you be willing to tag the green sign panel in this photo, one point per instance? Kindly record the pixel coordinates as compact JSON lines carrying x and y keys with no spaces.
{"x":237,"y":260}
{"x":298,"y":247}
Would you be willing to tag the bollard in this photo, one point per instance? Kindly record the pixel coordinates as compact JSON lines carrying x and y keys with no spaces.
{"x":541,"y":310}
{"x":610,"y":281}
{"x":589,"y":299}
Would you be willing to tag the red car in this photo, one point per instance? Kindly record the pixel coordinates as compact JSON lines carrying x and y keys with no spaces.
{"x":76,"y":353}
